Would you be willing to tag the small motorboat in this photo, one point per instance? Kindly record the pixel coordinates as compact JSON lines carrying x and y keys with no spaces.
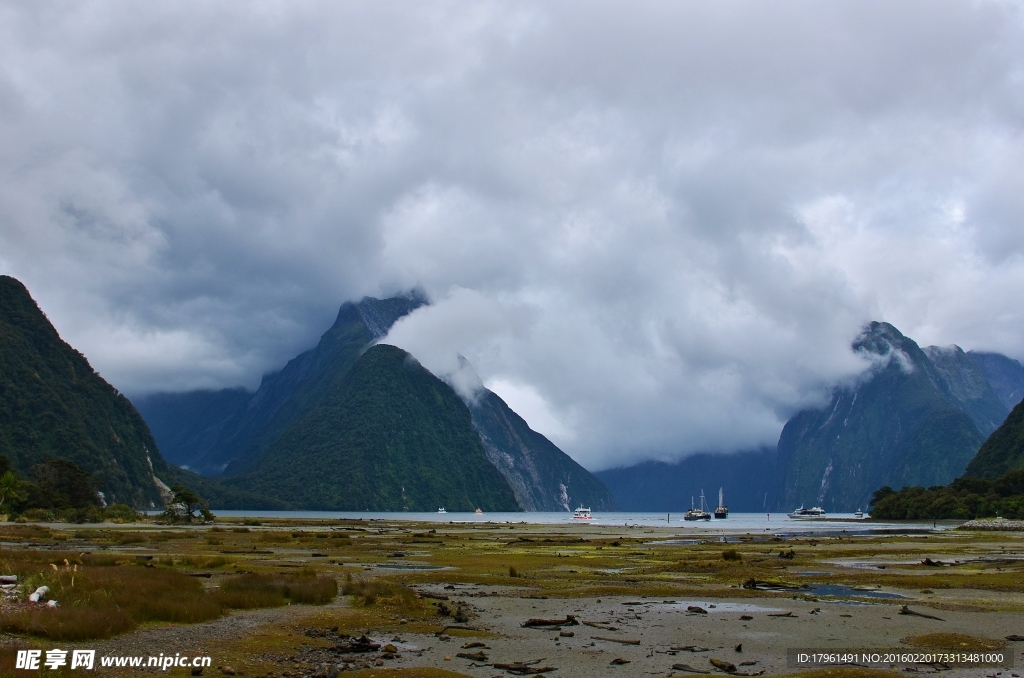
{"x":441,"y":510}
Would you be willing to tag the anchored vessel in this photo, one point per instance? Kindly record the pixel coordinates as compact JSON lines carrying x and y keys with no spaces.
{"x":816,"y":512}
{"x":721,"y":511}
{"x":441,"y":510}
{"x":697,"y":514}
{"x":582,"y":514}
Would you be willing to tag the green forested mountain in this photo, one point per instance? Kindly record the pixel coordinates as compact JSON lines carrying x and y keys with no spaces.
{"x":1004,"y":449}
{"x":223,"y":432}
{"x":387,"y":436}
{"x":992,"y":485}
{"x":230,"y":433}
{"x":54,"y":405}
{"x":899,"y":426}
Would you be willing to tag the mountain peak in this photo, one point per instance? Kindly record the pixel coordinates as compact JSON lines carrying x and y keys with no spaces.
{"x":380,"y":314}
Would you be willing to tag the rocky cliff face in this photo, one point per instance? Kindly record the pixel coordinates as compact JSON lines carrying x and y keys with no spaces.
{"x":903,"y":424}
{"x":965,"y":384}
{"x":542,"y":477}
{"x":1005,"y":375}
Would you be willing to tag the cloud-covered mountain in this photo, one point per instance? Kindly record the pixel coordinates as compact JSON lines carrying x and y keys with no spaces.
{"x":662,"y":220}
{"x":309,"y":431}
{"x":915,"y":417}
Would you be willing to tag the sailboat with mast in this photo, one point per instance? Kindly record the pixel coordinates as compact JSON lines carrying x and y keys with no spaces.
{"x":697,"y":514}
{"x":721,"y":511}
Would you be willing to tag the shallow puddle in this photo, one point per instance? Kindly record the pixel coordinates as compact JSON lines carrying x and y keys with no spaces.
{"x":840,"y":591}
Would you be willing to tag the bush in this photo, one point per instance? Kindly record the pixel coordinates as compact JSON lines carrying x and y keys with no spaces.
{"x":731,"y":554}
{"x":120,"y":513}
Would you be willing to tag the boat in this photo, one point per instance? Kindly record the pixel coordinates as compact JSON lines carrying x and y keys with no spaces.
{"x":441,"y":510}
{"x":479,"y":512}
{"x":816,"y":512}
{"x":721,"y":511}
{"x":582,"y":514}
{"x":697,"y":514}
{"x":858,"y":514}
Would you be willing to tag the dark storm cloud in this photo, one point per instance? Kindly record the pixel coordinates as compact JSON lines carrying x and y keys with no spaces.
{"x":653,"y":227}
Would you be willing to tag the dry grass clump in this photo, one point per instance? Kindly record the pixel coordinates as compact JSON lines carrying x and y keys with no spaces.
{"x":370,"y":590}
{"x":844,"y":672}
{"x":102,"y":601}
{"x":205,"y":562}
{"x":275,"y":537}
{"x":249,"y":591}
{"x":954,"y":641}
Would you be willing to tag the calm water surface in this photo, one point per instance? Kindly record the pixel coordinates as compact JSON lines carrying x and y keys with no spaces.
{"x":775,"y":523}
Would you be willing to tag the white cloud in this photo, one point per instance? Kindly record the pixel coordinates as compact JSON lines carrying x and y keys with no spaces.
{"x":656,"y":226}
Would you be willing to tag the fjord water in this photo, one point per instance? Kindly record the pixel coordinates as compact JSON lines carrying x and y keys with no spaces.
{"x":774,"y":523}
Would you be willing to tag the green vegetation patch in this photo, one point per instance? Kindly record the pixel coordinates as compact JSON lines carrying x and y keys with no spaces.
{"x":954,"y":641}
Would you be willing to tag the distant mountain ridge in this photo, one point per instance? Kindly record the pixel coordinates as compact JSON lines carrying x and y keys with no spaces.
{"x":917,"y":417}
{"x":747,"y":478}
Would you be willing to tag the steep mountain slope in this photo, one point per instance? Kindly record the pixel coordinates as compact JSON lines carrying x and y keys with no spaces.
{"x":185,"y":423}
{"x":53,"y":404}
{"x":900,"y":426}
{"x":387,"y":436}
{"x":230,"y":445}
{"x":1004,"y":449}
{"x":1005,"y":375}
{"x":542,"y":477}
{"x":747,"y":477}
{"x":965,"y":384}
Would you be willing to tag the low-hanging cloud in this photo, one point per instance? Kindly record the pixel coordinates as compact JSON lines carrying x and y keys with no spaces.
{"x":654,"y":227}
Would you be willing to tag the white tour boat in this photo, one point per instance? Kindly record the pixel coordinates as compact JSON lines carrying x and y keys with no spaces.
{"x":816,"y":512}
{"x":582,"y":514}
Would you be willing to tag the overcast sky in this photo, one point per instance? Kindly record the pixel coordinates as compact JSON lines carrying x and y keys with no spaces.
{"x":654,"y":228}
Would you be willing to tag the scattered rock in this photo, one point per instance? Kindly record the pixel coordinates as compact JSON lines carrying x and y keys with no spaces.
{"x":569,"y":620}
{"x":695,"y":609}
{"x":360,"y":644}
{"x":618,"y":661}
{"x":728,"y":667}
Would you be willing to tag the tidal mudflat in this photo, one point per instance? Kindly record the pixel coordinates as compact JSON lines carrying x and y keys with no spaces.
{"x":488,"y":599}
